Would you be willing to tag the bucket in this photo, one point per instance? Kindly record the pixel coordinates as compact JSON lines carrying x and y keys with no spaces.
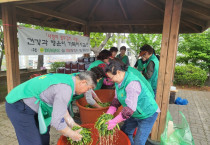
{"x":80,"y":59}
{"x":68,"y":65}
{"x":67,"y":71}
{"x":60,"y":70}
{"x":119,"y":139}
{"x":81,"y":66}
{"x":74,"y":65}
{"x":74,"y":71}
{"x":90,"y":115}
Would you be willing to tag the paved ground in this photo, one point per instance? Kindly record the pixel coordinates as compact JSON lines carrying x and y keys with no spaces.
{"x":197,"y":113}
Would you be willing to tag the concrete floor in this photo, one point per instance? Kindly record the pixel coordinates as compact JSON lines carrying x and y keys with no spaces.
{"x":197,"y":113}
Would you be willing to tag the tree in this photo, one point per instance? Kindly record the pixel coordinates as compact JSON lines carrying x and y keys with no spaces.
{"x":1,"y":43}
{"x":98,"y":40}
{"x":195,"y":50}
{"x":135,"y":41}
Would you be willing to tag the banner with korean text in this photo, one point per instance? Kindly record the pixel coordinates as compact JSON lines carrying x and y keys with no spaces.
{"x":40,"y":42}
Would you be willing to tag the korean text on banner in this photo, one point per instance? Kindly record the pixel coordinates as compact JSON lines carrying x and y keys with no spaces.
{"x":40,"y":42}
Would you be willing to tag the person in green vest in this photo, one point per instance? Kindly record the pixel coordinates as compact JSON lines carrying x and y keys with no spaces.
{"x":102,"y":60}
{"x":41,"y":102}
{"x":151,"y":65}
{"x":122,"y":56}
{"x":136,"y":96}
{"x":113,"y":51}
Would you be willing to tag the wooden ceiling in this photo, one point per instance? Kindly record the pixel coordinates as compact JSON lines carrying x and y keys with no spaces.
{"x":120,"y":16}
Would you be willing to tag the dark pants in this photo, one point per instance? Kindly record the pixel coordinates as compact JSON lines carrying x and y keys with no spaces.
{"x":143,"y":131}
{"x":25,"y":122}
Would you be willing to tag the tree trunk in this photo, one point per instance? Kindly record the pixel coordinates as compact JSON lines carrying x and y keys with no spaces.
{"x":1,"y":58}
{"x":96,"y":49}
{"x":40,"y":61}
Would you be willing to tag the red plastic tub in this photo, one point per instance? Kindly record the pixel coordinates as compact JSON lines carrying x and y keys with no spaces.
{"x":120,"y":138}
{"x":90,"y":115}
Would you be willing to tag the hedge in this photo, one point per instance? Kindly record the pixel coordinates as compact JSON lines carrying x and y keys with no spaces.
{"x":189,"y":75}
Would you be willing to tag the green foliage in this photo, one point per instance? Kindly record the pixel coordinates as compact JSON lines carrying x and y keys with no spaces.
{"x":101,"y":125}
{"x":111,"y":41}
{"x":195,"y":49}
{"x":189,"y":75}
{"x":73,"y":32}
{"x":97,"y":38}
{"x":56,"y":65}
{"x":39,"y":27}
{"x":135,"y":41}
{"x":86,"y":137}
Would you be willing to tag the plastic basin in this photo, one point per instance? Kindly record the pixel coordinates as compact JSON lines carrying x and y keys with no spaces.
{"x":120,"y":138}
{"x":90,"y":115}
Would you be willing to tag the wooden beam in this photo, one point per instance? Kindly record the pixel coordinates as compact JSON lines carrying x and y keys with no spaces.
{"x":11,"y":45}
{"x":26,"y":1}
{"x":190,"y":26}
{"x":172,"y":50}
{"x":167,"y":58}
{"x":48,"y":12}
{"x":185,"y":18}
{"x":195,"y":8}
{"x":163,"y":58}
{"x":69,"y":5}
{"x":193,"y":20}
{"x":125,"y":14}
{"x":128,"y":22}
{"x":59,"y":8}
{"x":93,"y":9}
{"x":155,"y":4}
{"x":123,"y":10}
{"x":86,"y":31}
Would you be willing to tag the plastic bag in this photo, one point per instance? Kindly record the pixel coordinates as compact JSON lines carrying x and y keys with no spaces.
{"x":181,"y":134}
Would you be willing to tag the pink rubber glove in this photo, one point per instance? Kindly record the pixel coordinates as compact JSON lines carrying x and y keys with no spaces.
{"x":111,"y":110}
{"x":112,"y":123}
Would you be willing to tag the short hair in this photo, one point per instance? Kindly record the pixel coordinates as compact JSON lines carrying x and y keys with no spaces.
{"x":116,"y":64}
{"x":99,"y":72}
{"x":113,"y":49}
{"x":89,"y":76}
{"x":104,"y":54}
{"x":147,"y":48}
{"x":123,"y":48}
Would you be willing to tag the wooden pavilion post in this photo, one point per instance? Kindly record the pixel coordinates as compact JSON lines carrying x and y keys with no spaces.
{"x":167,"y":59}
{"x":11,"y":45}
{"x":86,"y":31}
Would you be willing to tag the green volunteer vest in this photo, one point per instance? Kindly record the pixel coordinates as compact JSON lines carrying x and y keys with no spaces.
{"x":94,"y":64}
{"x":139,"y":75}
{"x":99,"y":84}
{"x":33,"y":88}
{"x":140,"y":66}
{"x":146,"y":105}
{"x":154,"y":78}
{"x":124,"y":59}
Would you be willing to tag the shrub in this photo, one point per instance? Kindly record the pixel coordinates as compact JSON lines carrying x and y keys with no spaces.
{"x":55,"y":65}
{"x":189,"y":75}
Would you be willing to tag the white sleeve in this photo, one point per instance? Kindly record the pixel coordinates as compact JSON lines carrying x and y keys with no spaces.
{"x":89,"y":97}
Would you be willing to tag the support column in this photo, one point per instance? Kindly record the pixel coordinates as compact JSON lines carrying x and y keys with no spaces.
{"x":86,"y":31}
{"x":11,"y":45}
{"x":167,"y":58}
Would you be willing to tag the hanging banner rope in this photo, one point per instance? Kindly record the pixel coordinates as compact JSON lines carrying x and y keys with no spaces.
{"x":40,"y":42}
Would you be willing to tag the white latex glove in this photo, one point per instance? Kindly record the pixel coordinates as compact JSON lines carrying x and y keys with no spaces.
{"x":74,"y":135}
{"x":69,"y":120}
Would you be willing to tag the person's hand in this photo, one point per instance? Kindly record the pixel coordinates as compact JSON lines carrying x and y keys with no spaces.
{"x":111,"y":110}
{"x":111,"y":124}
{"x":96,"y":105}
{"x":75,"y":136}
{"x":97,"y":98}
